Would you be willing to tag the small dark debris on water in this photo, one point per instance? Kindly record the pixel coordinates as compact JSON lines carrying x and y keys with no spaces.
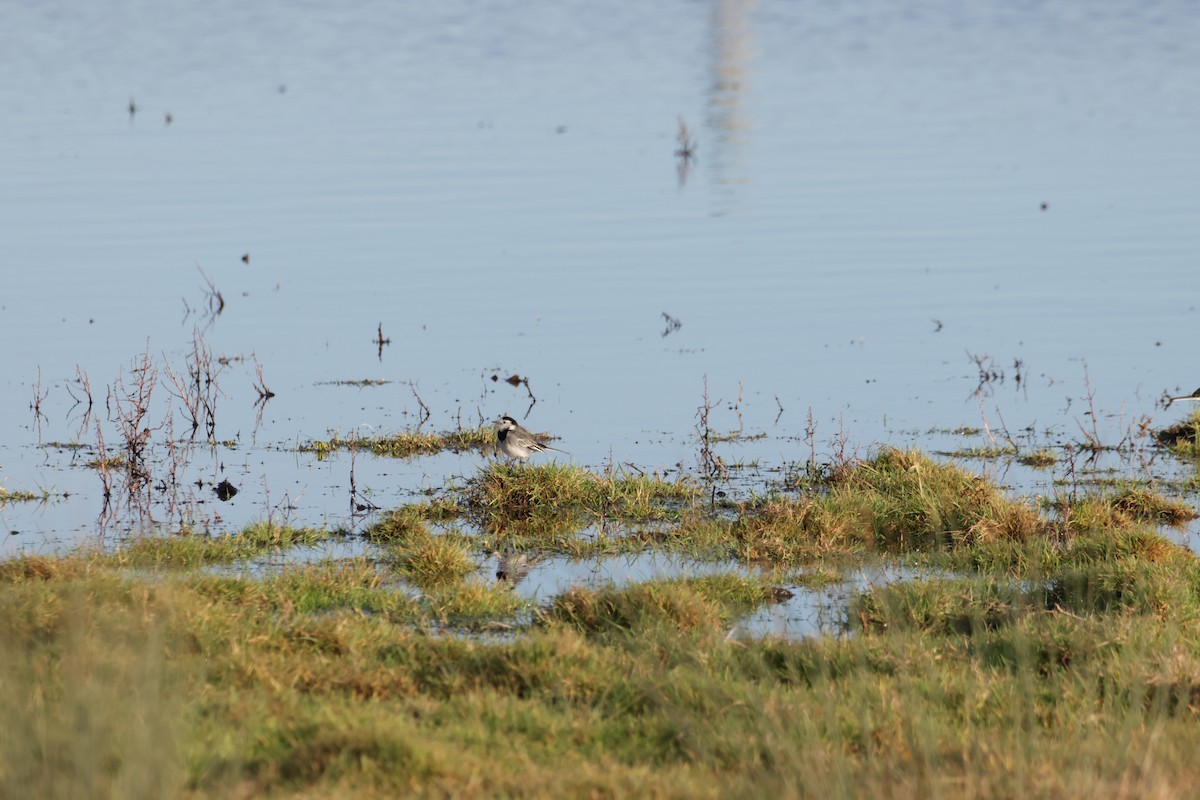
{"x":225,"y":491}
{"x":167,"y":118}
{"x":245,"y":258}
{"x":687,"y":143}
{"x":1045,"y":206}
{"x":14,"y":533}
{"x":938,"y":325}
{"x":513,"y":380}
{"x":673,"y":324}
{"x":379,"y":341}
{"x":133,"y":109}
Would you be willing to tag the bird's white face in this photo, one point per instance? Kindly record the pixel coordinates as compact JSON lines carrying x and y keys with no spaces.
{"x":507,"y":423}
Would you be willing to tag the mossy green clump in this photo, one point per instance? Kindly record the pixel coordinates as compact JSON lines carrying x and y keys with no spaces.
{"x":1182,"y":438}
{"x":21,"y":496}
{"x":405,"y":444}
{"x":1039,"y":459}
{"x":188,"y":549}
{"x":1121,"y":506}
{"x":426,"y":560}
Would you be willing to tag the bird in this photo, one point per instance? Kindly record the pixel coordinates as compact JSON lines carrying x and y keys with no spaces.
{"x":515,"y":442}
{"x":514,"y":567}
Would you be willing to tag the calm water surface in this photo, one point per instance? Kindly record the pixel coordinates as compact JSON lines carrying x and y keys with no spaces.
{"x":880,"y":192}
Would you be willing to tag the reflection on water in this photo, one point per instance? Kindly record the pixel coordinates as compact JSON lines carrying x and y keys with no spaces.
{"x":726,"y":113}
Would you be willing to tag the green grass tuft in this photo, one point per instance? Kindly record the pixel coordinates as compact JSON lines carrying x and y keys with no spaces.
{"x":426,"y":560}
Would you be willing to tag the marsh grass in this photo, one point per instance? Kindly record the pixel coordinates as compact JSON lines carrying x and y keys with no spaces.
{"x":1060,"y":661}
{"x":91,"y":701}
{"x":303,"y":685}
{"x":405,"y":444}
{"x":547,"y":506}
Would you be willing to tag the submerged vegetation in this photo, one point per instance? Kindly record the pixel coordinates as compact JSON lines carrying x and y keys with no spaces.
{"x":405,"y":444}
{"x":1050,"y":652}
{"x":21,"y":496}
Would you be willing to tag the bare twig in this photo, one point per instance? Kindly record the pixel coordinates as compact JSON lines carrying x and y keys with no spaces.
{"x":129,"y":402}
{"x":424,"y":409}
{"x":988,"y":373}
{"x":841,"y":460}
{"x":712,"y":468}
{"x":1092,"y":437}
{"x":1004,"y":430}
{"x":688,"y":145}
{"x":216,"y":302}
{"x":85,"y":385}
{"x":102,"y":465}
{"x":986,"y":428}
{"x":36,"y":406}
{"x":264,"y":394}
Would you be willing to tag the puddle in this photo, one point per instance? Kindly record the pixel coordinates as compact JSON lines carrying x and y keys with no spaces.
{"x":810,"y":611}
{"x":276,"y":561}
{"x":541,"y":578}
{"x":822,"y":611}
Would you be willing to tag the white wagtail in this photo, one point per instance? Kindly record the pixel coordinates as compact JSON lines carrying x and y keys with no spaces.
{"x":515,"y":442}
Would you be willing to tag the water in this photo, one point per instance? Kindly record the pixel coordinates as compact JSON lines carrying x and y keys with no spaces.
{"x":807,"y":612}
{"x":496,"y":186}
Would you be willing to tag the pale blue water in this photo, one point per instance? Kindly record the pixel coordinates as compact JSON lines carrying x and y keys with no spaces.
{"x":496,"y":184}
